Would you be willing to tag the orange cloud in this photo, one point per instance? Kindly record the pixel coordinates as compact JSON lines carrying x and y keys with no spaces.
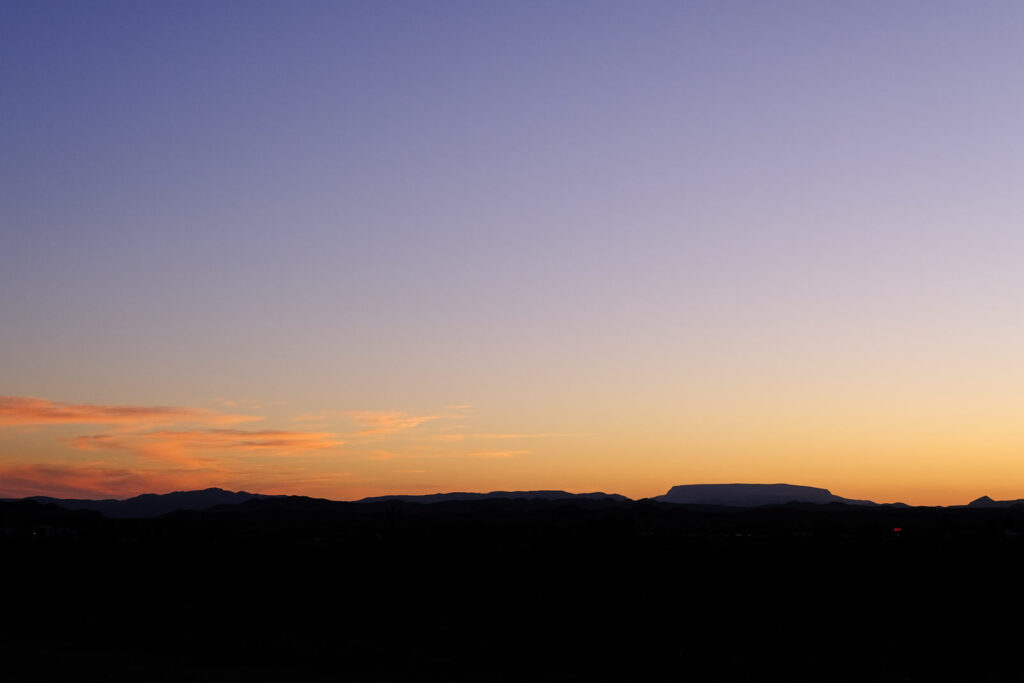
{"x":495,"y":454}
{"x":91,"y":481}
{"x":99,"y":480}
{"x":488,"y":436}
{"x":441,"y":454}
{"x":384,"y":422}
{"x":177,"y":445}
{"x":373,"y":423}
{"x":25,"y":410}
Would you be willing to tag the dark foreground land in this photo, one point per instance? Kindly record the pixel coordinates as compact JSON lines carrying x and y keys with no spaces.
{"x":296,"y":589}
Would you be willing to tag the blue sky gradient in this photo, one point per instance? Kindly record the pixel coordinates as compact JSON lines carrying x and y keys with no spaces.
{"x":661,"y":225}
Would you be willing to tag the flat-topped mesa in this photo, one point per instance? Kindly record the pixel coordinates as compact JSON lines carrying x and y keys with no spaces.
{"x":752,"y":495}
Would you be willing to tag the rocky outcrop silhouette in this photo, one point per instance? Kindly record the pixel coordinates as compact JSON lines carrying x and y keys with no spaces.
{"x":752,"y":495}
{"x":986,"y":502}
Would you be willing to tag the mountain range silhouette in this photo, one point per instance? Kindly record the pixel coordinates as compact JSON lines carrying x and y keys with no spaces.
{"x":986,"y":502}
{"x":775,"y":582}
{"x":738,"y":495}
{"x":153,"y":504}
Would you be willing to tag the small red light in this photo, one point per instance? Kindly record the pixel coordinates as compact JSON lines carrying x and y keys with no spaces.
{"x":897,"y":529}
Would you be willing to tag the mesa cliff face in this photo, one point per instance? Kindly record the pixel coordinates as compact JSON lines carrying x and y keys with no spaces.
{"x":752,"y":495}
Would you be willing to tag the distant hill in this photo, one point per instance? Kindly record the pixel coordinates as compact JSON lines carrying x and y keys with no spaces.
{"x":153,"y":504}
{"x":150,"y":505}
{"x":986,"y":502}
{"x":511,"y":495}
{"x":752,"y":495}
{"x":17,"y":512}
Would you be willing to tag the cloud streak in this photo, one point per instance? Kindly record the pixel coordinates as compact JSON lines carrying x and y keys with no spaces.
{"x":375,"y":423}
{"x":496,"y":454}
{"x":26,"y":410}
{"x":179,"y":445}
{"x":455,"y":437}
{"x":102,"y":480}
{"x":90,"y":481}
{"x":133,"y":449}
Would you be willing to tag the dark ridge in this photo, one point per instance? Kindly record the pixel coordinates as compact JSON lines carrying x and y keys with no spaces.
{"x":153,"y":504}
{"x":15,"y":512}
{"x":699,"y":496}
{"x":512,"y":495}
{"x":986,"y":502}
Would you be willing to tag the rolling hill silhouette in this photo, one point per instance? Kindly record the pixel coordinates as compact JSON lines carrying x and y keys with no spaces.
{"x":150,"y":505}
{"x":153,"y":504}
{"x":986,"y":502}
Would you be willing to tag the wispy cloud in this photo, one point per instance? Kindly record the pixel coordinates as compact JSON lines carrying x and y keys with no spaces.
{"x":102,"y":480}
{"x":435,"y":453}
{"x":25,"y":410}
{"x":132,"y":449}
{"x":372,"y":423}
{"x":180,"y":445}
{"x":91,"y":481}
{"x":495,"y":454}
{"x":486,"y":436}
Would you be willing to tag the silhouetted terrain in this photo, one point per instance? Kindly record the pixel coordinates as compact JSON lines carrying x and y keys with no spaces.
{"x":986,"y":502}
{"x":512,"y":495}
{"x":154,"y":505}
{"x":732,"y":495}
{"x":578,"y":589}
{"x":752,"y":495}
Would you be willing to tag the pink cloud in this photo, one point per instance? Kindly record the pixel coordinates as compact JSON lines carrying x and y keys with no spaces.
{"x":91,"y":481}
{"x":103,"y":481}
{"x":376,"y":422}
{"x":25,"y":410}
{"x":179,"y":445}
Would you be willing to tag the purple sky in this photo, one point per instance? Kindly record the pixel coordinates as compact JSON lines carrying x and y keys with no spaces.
{"x":710,"y":241}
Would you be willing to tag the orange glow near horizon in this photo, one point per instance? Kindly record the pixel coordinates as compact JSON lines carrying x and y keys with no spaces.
{"x":49,"y":448}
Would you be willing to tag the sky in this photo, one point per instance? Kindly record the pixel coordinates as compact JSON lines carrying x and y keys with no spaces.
{"x":345,"y":249}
